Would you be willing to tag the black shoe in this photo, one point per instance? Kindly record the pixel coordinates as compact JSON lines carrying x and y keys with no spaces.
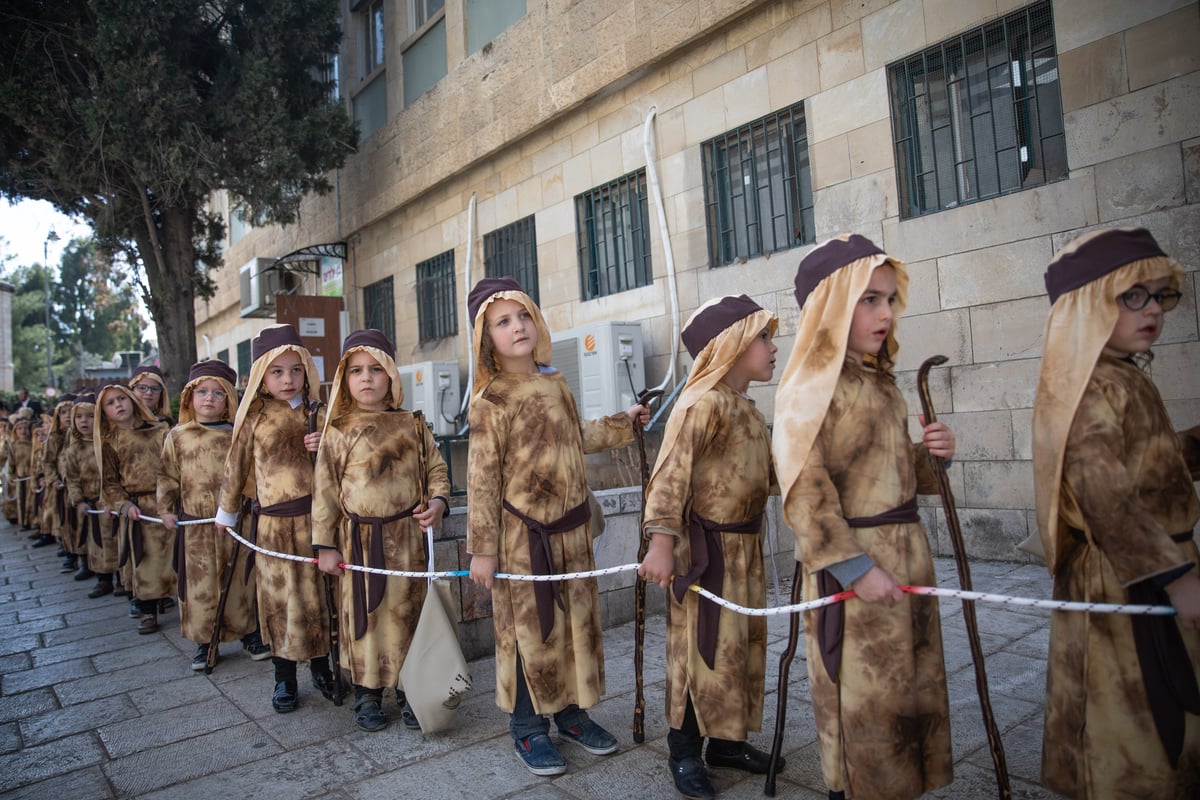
{"x":284,"y":699}
{"x":747,"y":759}
{"x":43,"y":540}
{"x":135,"y":608}
{"x":690,"y":778}
{"x":166,"y":604}
{"x":61,"y":552}
{"x":326,"y":685}
{"x":253,"y":646}
{"x":69,"y":565}
{"x":200,"y":660}
{"x":368,"y":713}
{"x":837,"y":795}
{"x":85,"y":573}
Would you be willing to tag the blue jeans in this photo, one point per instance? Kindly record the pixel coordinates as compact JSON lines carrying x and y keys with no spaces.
{"x":525,"y":722}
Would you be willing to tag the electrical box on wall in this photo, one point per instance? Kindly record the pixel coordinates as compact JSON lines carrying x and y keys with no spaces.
{"x":432,"y":387}
{"x":598,"y":362}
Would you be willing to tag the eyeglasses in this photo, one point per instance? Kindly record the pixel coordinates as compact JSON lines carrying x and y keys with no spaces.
{"x":147,"y":388}
{"x":1137,"y":298}
{"x":215,"y":394}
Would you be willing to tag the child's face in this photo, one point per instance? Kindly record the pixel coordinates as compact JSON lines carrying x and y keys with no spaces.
{"x":1137,"y":329}
{"x":118,"y":408}
{"x":285,"y":376}
{"x":22,"y":430}
{"x":873,"y":314}
{"x":83,"y":422}
{"x":208,"y":401}
{"x":64,"y":417}
{"x":148,"y":392}
{"x":756,"y":363}
{"x":514,"y":335}
{"x":368,"y":382}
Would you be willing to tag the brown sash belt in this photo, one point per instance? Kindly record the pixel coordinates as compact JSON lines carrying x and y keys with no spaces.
{"x":181,"y":556}
{"x":831,"y":619}
{"x":547,"y":594}
{"x":60,"y":505}
{"x":297,"y":507}
{"x":367,"y":589}
{"x":91,"y":521}
{"x":708,"y":567}
{"x":136,"y":538}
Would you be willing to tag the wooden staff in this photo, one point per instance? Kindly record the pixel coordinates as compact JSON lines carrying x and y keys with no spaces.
{"x":214,"y":643}
{"x":639,"y":585}
{"x":964,"y":580}
{"x":781,"y":691}
{"x":335,"y":659}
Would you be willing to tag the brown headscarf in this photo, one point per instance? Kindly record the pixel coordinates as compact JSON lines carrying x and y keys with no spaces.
{"x":484,"y":294}
{"x":210,"y":370}
{"x":380,"y":348}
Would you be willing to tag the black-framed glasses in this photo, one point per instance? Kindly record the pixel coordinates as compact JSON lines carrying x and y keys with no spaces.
{"x":147,"y":388}
{"x":1137,"y":298}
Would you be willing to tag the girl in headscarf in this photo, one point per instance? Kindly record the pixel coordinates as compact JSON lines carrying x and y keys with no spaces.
{"x":849,"y":476}
{"x":55,"y":513}
{"x":1116,"y":506}
{"x":150,"y":388}
{"x":81,"y":473}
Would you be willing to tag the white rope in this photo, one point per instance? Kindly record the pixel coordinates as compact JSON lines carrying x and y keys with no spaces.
{"x":148,"y":518}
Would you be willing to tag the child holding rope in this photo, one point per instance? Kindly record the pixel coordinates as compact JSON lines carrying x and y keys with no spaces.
{"x":1116,"y":507}
{"x":81,"y":473}
{"x":55,"y":512}
{"x":193,"y":464}
{"x":704,"y":515}
{"x":850,"y":476}
{"x":528,"y":514}
{"x":380,"y":481}
{"x":269,"y":460}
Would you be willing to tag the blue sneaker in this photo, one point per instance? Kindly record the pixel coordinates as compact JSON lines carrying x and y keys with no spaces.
{"x":590,"y":737}
{"x":539,"y":755}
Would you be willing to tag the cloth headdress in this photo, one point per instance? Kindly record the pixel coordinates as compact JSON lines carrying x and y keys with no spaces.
{"x":62,"y":405}
{"x":214,"y":370}
{"x":103,"y":427}
{"x":829,"y":283}
{"x":715,"y":335}
{"x":272,"y":342}
{"x":484,"y":294}
{"x":83,"y":402}
{"x":1083,"y":283}
{"x":152,"y":374}
{"x":379,"y":347}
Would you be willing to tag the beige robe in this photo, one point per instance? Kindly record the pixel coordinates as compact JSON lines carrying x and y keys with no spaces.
{"x":18,"y":454}
{"x":53,"y":522}
{"x":268,"y":460}
{"x":193,"y":464}
{"x":527,"y":446}
{"x":884,"y":727}
{"x":82,"y":475}
{"x":1128,"y":478}
{"x":132,"y":460}
{"x":368,"y":466}
{"x":720,"y":469}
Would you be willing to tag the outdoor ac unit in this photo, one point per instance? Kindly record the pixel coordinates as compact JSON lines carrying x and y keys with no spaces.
{"x":259,"y":287}
{"x":431,"y":387}
{"x":594,"y":361}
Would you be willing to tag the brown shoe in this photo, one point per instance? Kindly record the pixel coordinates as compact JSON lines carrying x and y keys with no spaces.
{"x":101,"y":590}
{"x":148,"y":625}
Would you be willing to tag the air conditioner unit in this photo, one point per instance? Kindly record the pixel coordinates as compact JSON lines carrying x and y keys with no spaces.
{"x":259,"y":286}
{"x":598,"y":362}
{"x":432,"y":387}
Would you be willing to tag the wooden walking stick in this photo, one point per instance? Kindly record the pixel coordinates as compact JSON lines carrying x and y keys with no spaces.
{"x":781,"y":695}
{"x":335,"y":659}
{"x":964,"y":581}
{"x":639,"y":586}
{"x":215,"y":642}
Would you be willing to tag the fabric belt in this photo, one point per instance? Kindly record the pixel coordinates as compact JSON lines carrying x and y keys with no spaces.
{"x":831,"y":619}
{"x":367,"y":590}
{"x":296,"y":507}
{"x":541,"y":560}
{"x":136,"y":540}
{"x":181,"y":556}
{"x":91,"y":521}
{"x":708,"y":567}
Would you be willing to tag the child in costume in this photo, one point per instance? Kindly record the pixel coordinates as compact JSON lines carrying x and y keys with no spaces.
{"x":270,"y":460}
{"x":849,"y":476}
{"x":150,"y":389}
{"x":55,"y":513}
{"x":193,"y":464}
{"x":1116,"y":505}
{"x":128,"y":443}
{"x":528,"y":514}
{"x":35,"y":486}
{"x":18,"y":456}
{"x":704,"y":515}
{"x":81,"y":473}
{"x":380,"y":481}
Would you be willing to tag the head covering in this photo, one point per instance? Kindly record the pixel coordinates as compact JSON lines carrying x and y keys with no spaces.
{"x":1083,"y":281}
{"x":63,"y":405}
{"x":484,"y":294}
{"x":272,"y":342}
{"x":375,"y":344}
{"x":716,"y":335}
{"x":211,"y":370}
{"x":829,"y":283}
{"x":152,"y":374}
{"x":85,"y":402}
{"x":103,"y":427}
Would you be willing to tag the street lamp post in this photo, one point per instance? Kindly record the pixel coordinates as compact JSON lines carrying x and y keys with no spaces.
{"x":50,"y":237}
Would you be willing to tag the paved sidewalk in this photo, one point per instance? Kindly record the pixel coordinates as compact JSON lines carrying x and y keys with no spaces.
{"x":90,"y":709}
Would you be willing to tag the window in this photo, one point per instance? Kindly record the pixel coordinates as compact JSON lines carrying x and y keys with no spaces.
{"x":371,"y":36}
{"x":436,"y":310}
{"x":612,"y":227}
{"x":244,"y":361}
{"x":223,"y":355}
{"x":512,"y":251}
{"x":379,"y":308}
{"x":424,"y":62}
{"x":487,"y":19}
{"x":979,"y":115}
{"x":421,"y":11}
{"x":758,"y":188}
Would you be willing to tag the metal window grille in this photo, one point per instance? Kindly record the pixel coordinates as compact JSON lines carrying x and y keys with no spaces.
{"x":512,"y":251}
{"x":379,"y":308}
{"x":612,"y":226}
{"x":979,"y":115}
{"x":436,"y":310}
{"x":758,"y":188}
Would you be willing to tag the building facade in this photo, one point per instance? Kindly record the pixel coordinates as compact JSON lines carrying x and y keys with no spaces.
{"x":969,"y":138}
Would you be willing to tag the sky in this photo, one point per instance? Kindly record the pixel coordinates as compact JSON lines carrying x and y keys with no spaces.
{"x":24,"y":227}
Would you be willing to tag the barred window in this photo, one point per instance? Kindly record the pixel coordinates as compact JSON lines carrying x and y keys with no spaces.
{"x":979,"y":115}
{"x":512,"y":251}
{"x":244,"y":361}
{"x":437,"y":315}
{"x":612,"y":230}
{"x":758,"y":188}
{"x":379,"y":308}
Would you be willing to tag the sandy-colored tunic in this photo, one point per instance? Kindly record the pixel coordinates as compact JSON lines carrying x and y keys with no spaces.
{"x":720,"y":470}
{"x":368,"y":466}
{"x":884,"y":727}
{"x":268,"y":460}
{"x":527,"y":446}
{"x":53,"y":522}
{"x":193,"y":464}
{"x":132,"y":459}
{"x":82,"y":475}
{"x":1125,"y":470}
{"x":18,"y":454}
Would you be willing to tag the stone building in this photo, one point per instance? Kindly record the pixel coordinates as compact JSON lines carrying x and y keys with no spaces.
{"x":969,"y":138}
